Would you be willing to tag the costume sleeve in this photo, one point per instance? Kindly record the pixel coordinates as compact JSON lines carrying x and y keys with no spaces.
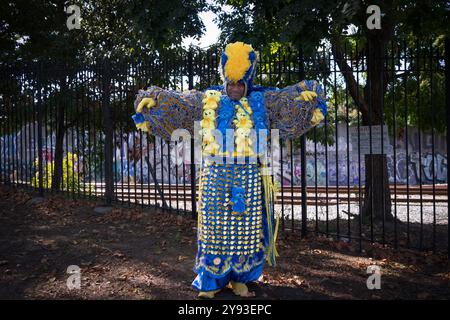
{"x":292,"y":116}
{"x":171,"y":110}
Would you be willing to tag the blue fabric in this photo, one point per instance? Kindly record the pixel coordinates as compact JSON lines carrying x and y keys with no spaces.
{"x":218,"y":259}
{"x":205,"y":282}
{"x":138,"y":118}
{"x":238,"y":199}
{"x":253,"y":88}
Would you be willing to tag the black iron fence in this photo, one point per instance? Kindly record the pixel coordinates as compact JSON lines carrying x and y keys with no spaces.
{"x":376,"y":170}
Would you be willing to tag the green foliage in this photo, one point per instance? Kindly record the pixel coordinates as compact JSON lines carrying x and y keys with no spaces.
{"x":416,"y":94}
{"x":415,"y":99}
{"x":113,"y":29}
{"x":341,"y":109}
{"x":71,"y":180}
{"x":412,"y":103}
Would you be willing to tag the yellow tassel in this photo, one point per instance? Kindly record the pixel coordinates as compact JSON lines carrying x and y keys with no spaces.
{"x":270,"y":190}
{"x":275,"y":235}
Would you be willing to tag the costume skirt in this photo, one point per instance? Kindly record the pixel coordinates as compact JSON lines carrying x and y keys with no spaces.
{"x":231,"y":243}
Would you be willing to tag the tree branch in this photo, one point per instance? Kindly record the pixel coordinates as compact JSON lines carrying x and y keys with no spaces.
{"x":348,"y":76}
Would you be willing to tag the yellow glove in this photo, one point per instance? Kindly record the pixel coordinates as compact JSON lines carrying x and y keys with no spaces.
{"x":307,"y":96}
{"x":317,"y":117}
{"x":144,"y":126}
{"x":148,"y":102}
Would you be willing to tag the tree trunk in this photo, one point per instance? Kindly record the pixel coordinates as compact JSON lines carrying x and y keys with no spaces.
{"x":377,"y":195}
{"x":377,"y":201}
{"x":60,"y":130}
{"x":108,"y":129}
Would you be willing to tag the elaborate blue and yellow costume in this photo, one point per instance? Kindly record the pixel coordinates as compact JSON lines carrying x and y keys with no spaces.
{"x":236,"y":226}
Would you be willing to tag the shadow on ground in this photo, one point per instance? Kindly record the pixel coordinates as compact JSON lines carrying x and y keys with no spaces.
{"x":134,"y":253}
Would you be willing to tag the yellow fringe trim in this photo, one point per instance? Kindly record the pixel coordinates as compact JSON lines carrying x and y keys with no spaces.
{"x":270,"y":190}
{"x":199,"y":208}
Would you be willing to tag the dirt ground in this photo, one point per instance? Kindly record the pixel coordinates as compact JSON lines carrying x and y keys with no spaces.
{"x":134,"y":253}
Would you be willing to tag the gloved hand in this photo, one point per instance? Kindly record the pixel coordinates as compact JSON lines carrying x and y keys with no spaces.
{"x":317,"y":117}
{"x":146,"y":102}
{"x":144,"y":126}
{"x":308,"y":96}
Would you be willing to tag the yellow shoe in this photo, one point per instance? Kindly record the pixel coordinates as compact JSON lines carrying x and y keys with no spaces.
{"x":241,"y":289}
{"x":208,"y":294}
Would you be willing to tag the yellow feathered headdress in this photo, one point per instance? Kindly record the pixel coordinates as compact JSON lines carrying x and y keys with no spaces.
{"x":238,"y":63}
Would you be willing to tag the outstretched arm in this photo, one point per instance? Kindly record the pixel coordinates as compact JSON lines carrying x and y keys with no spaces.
{"x":162,"y":111}
{"x":296,"y":109}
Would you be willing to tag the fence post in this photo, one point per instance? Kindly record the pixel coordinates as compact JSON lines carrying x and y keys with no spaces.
{"x":193,"y":186}
{"x":303,"y":182}
{"x":304,"y":232}
{"x":108,"y":127}
{"x":39,"y":135}
{"x":190,"y":70}
{"x":447,"y":105}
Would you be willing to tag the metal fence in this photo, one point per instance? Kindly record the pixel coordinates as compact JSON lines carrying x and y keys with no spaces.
{"x":376,"y":170}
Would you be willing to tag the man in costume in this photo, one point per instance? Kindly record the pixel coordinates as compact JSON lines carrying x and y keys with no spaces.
{"x":236,"y":231}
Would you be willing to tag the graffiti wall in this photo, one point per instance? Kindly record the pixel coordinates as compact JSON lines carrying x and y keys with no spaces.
{"x":410,"y":158}
{"x":167,"y":161}
{"x":409,"y":161}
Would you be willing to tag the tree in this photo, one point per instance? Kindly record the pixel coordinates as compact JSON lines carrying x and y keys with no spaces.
{"x":110,"y":31}
{"x":303,"y":24}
